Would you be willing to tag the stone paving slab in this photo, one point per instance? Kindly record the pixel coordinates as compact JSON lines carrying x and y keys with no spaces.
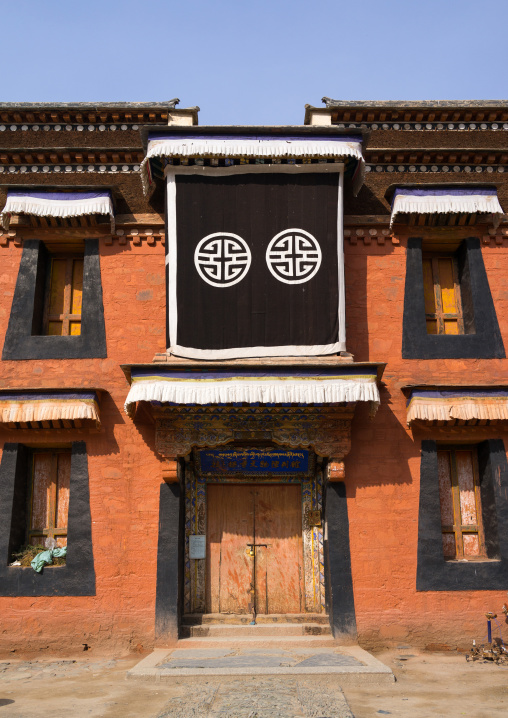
{"x":351,"y":664}
{"x":266,"y":697}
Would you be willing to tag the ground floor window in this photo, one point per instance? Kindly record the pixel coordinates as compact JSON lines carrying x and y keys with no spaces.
{"x":459,"y":493}
{"x":45,"y":501}
{"x":49,"y":498}
{"x":463,"y":517}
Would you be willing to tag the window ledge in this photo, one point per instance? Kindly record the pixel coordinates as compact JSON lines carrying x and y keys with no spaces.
{"x":472,"y":560}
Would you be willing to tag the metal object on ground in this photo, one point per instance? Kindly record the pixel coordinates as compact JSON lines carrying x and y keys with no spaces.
{"x":494,"y":651}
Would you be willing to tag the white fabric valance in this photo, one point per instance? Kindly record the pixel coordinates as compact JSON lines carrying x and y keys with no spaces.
{"x":327,"y":386}
{"x":57,"y":204}
{"x":445,"y":201}
{"x":20,"y":409}
{"x":260,"y":146}
{"x":457,"y":405}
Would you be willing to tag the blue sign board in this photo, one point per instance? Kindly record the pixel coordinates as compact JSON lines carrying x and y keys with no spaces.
{"x":254,"y":462}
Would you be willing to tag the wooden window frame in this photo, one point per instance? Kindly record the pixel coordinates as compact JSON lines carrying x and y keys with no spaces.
{"x":458,"y":529}
{"x":50,"y":531}
{"x":66,"y":317}
{"x":439,"y":316}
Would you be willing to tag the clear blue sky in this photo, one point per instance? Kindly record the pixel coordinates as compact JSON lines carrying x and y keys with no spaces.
{"x":255,"y":62}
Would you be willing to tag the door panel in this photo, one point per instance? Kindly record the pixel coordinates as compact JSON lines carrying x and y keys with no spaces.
{"x":262,"y":514}
{"x":230,"y":528}
{"x":279,"y":574}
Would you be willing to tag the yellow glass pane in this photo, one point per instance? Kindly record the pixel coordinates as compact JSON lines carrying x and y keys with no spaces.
{"x":57,"y":286}
{"x":448,"y":299}
{"x":77,"y":287}
{"x":61,"y":541}
{"x":451,"y":326}
{"x":74,"y":328}
{"x":428,"y":288}
{"x":55,"y":328}
{"x":431,"y":326}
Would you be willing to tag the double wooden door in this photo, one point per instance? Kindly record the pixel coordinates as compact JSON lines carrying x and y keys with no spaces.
{"x":254,"y":548}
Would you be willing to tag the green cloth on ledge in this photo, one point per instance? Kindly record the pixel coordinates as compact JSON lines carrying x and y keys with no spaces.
{"x":46,"y":557}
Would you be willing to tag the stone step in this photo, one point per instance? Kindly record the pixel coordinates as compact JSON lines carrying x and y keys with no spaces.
{"x":197,"y":619}
{"x":232,"y":630}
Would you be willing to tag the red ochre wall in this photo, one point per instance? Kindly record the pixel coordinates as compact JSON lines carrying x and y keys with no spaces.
{"x":124,"y":470}
{"x":382,"y":470}
{"x":383,"y":467}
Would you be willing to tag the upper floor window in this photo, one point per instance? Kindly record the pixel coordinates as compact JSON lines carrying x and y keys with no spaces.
{"x":64,"y":296}
{"x":443,"y":303}
{"x":57,"y":310}
{"x":448,"y":308}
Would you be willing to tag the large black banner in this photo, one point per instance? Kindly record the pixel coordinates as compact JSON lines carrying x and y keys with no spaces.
{"x":256,"y":265}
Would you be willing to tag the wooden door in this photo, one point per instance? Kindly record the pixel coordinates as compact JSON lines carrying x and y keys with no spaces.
{"x":269,"y":516}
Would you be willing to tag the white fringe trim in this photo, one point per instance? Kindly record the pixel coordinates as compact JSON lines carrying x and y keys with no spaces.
{"x":56,"y":208}
{"x":252,"y":148}
{"x":27,"y":412}
{"x":446,"y":204}
{"x":278,"y":391}
{"x":463,"y":409}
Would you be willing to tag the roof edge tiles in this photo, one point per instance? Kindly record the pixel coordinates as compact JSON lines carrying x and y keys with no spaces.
{"x":426,"y":104}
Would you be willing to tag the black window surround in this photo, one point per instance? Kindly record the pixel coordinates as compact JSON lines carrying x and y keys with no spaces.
{"x":482,"y":339}
{"x":491,"y":574}
{"x":77,"y":577}
{"x":22,"y":340}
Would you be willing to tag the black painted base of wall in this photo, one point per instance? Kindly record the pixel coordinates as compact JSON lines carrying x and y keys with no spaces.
{"x":169,"y":565}
{"x":341,"y":600}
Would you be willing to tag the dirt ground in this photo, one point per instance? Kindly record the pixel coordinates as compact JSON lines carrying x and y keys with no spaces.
{"x":427,"y":685}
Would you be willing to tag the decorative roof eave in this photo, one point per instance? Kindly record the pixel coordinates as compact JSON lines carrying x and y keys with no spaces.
{"x":172,"y":362}
{"x":138,"y":113}
{"x":49,"y":409}
{"x":162,"y":384}
{"x":256,"y":143}
{"x":71,"y":156}
{"x":429,"y":110}
{"x":450,"y":198}
{"x":59,"y":204}
{"x":459,"y":404}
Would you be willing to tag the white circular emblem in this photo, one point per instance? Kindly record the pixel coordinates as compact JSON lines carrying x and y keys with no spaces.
{"x":222,"y":259}
{"x":293,"y":256}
